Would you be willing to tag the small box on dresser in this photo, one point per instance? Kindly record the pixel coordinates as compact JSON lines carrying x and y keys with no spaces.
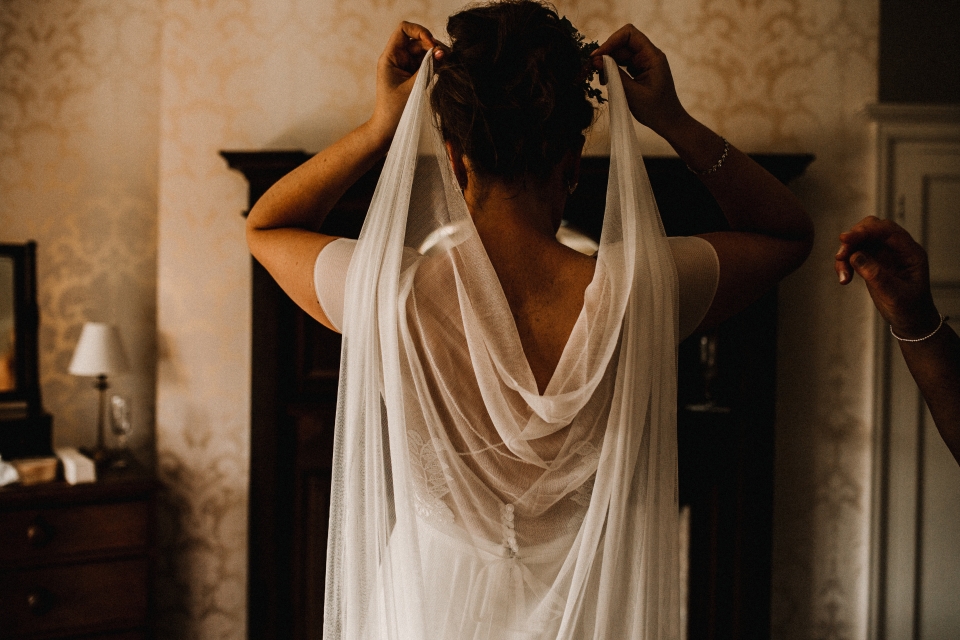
{"x":77,"y":561}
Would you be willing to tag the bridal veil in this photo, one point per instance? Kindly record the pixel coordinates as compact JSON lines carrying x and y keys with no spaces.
{"x":466,"y":504}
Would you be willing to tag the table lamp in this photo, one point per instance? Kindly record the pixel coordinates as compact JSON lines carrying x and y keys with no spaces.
{"x":99,"y":353}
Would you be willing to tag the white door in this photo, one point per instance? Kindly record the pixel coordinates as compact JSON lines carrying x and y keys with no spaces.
{"x":916,"y":593}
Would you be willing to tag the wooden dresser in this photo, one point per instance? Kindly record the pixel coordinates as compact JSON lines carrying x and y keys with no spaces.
{"x":76,"y":561}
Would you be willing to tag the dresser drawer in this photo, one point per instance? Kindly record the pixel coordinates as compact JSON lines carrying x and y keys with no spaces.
{"x":83,"y":598}
{"x":31,"y":536}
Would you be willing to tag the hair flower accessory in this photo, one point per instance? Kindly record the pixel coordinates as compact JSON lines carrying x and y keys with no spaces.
{"x":586,"y":48}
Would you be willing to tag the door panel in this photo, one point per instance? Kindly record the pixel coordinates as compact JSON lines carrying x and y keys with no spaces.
{"x":917,"y":528}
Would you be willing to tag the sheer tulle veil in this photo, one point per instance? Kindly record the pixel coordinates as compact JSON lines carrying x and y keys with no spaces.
{"x":466,"y":504}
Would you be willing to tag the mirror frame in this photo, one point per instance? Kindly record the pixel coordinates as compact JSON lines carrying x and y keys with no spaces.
{"x":26,"y":396}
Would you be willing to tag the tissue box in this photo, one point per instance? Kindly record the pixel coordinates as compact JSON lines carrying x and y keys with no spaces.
{"x":77,"y":467}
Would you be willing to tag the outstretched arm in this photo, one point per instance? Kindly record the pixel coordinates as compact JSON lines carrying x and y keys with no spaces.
{"x":771,"y":233}
{"x":895,"y":270}
{"x":282,"y":228}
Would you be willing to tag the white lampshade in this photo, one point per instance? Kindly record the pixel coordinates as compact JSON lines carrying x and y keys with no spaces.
{"x":99,"y":351}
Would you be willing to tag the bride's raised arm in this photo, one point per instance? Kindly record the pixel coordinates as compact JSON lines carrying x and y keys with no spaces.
{"x":283,"y":226}
{"x":771,"y":234}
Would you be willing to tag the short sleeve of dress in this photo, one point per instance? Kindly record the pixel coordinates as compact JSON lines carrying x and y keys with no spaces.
{"x":698,"y":273}
{"x":330,"y":278}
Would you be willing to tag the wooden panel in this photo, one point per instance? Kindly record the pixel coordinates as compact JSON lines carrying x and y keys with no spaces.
{"x":313,"y":520}
{"x":30,"y":536}
{"x":317,"y":356}
{"x":83,"y":597}
{"x":726,"y":474}
{"x":314,"y":428}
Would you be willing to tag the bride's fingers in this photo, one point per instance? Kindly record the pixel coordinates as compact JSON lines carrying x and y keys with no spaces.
{"x":407,"y":46}
{"x":616,"y":42}
{"x":422,"y":39}
{"x":629,"y":47}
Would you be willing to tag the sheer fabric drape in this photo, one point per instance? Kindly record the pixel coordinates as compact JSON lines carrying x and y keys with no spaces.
{"x":465,"y":504}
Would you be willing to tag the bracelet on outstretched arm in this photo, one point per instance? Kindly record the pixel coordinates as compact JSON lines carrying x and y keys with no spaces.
{"x":943,"y":319}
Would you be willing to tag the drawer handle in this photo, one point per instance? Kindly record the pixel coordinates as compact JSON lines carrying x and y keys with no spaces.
{"x":38,"y":533}
{"x":39,"y":601}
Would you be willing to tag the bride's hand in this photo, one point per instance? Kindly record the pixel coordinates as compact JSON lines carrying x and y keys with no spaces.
{"x":647,"y":82}
{"x":396,"y":73}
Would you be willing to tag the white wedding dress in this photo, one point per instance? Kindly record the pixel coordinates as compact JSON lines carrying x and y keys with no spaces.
{"x":466,"y":505}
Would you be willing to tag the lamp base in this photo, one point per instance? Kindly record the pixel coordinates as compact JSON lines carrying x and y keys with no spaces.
{"x":121,"y":459}
{"x":100,"y":454}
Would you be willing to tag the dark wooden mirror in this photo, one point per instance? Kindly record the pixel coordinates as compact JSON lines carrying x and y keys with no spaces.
{"x":24,"y":426}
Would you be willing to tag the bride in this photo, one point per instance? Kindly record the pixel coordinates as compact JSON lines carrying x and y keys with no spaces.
{"x":505,"y":455}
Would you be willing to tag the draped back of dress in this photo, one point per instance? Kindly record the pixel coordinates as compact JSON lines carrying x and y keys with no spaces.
{"x":466,"y":504}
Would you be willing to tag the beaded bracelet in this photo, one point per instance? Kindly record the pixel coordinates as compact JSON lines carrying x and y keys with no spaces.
{"x":713,"y":169}
{"x":943,"y":319}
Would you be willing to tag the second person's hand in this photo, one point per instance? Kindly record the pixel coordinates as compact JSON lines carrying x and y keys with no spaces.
{"x":895,"y":270}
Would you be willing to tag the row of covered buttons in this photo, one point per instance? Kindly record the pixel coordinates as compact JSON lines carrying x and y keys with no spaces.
{"x":509,"y":531}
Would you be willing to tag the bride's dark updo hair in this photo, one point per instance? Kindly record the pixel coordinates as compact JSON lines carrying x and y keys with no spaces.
{"x":510,"y":94}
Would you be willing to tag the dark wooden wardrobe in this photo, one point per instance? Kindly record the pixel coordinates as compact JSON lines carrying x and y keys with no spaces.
{"x":726,"y":417}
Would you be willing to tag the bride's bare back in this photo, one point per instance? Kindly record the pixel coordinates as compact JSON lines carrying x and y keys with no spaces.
{"x":543,"y":280}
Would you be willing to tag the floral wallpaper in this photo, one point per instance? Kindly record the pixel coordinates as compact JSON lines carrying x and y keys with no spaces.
{"x":79,"y":123}
{"x":112,"y":114}
{"x":795,"y":76}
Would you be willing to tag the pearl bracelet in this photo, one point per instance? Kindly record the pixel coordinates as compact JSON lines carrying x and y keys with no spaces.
{"x":943,"y":319}
{"x":713,"y":169}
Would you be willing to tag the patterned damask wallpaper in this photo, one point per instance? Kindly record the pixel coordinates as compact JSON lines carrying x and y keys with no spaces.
{"x":79,"y":130}
{"x":111,"y":117}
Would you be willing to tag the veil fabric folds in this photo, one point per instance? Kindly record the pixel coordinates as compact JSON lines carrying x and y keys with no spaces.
{"x":466,"y":504}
